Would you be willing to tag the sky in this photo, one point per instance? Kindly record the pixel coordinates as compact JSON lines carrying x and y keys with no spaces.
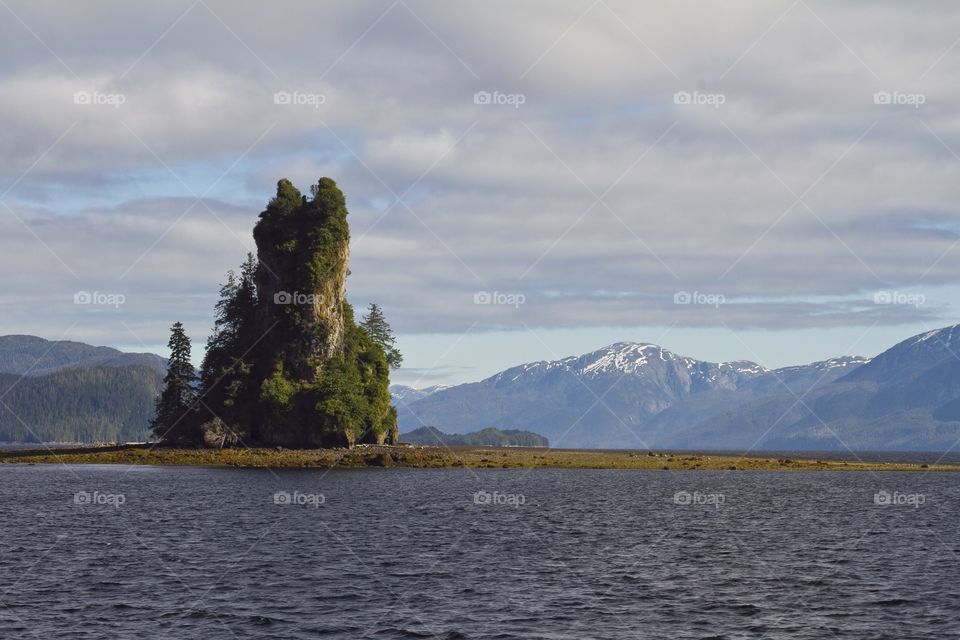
{"x":766,"y":181}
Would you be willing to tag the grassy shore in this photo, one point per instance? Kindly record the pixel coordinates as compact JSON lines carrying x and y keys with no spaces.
{"x":440,"y":457}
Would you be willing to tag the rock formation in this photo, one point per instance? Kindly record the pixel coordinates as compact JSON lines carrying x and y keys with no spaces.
{"x":321,"y":381}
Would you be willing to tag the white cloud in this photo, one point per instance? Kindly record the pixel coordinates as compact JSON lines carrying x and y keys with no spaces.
{"x":704,"y":209}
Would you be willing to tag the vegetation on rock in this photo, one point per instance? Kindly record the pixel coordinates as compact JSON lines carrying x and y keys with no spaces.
{"x":286,"y":363}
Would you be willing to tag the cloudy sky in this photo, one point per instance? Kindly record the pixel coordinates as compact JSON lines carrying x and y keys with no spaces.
{"x":774,"y":181}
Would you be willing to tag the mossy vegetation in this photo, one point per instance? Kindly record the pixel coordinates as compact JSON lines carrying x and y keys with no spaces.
{"x":443,"y":457}
{"x":287,"y":364}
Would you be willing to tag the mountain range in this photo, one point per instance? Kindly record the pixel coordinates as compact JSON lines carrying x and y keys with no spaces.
{"x":407,"y":394}
{"x":33,"y":356}
{"x":632,"y":395}
{"x":62,"y":391}
{"x":627,"y":395}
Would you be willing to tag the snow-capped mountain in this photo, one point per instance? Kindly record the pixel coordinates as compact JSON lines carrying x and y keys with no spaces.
{"x":631,"y":395}
{"x":606,"y":398}
{"x":640,"y":360}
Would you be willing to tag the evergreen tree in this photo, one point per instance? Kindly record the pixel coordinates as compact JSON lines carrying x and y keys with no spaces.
{"x":225,"y":376}
{"x":175,"y":419}
{"x":375,"y":324}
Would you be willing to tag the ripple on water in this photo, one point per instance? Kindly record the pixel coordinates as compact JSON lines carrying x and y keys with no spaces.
{"x":402,"y":553}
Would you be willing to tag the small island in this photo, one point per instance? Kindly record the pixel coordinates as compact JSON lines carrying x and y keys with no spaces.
{"x":286,"y":365}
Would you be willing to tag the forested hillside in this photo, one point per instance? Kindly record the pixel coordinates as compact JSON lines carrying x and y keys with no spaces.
{"x":79,"y":404}
{"x":33,"y":356}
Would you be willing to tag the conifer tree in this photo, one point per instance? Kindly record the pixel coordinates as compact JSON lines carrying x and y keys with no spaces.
{"x":225,"y":376}
{"x":175,"y":418}
{"x":375,"y":324}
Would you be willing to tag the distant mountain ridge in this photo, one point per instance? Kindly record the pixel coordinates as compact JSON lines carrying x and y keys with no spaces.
{"x":64,"y":391}
{"x":627,"y":395}
{"x":33,"y":356}
{"x":907,"y":398}
{"x":409,"y":394}
{"x":631,"y":395}
{"x":610,"y":397}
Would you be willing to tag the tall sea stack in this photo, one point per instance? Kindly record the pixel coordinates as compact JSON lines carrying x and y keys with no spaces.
{"x":321,"y":381}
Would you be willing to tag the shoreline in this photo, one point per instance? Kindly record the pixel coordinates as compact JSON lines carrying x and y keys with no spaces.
{"x":431,"y":457}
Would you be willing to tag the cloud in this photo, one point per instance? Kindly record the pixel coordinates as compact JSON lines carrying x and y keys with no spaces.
{"x":784,"y":184}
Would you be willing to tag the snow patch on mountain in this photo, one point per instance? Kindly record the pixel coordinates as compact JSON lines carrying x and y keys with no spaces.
{"x":407,"y":394}
{"x":631,"y":359}
{"x":844,"y":362}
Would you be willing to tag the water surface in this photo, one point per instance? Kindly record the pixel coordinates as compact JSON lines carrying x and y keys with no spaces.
{"x":114,"y":552}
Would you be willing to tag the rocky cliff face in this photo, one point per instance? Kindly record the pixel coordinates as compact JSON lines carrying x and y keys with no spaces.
{"x":327,"y":308}
{"x":303,"y":247}
{"x":322,"y":381}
